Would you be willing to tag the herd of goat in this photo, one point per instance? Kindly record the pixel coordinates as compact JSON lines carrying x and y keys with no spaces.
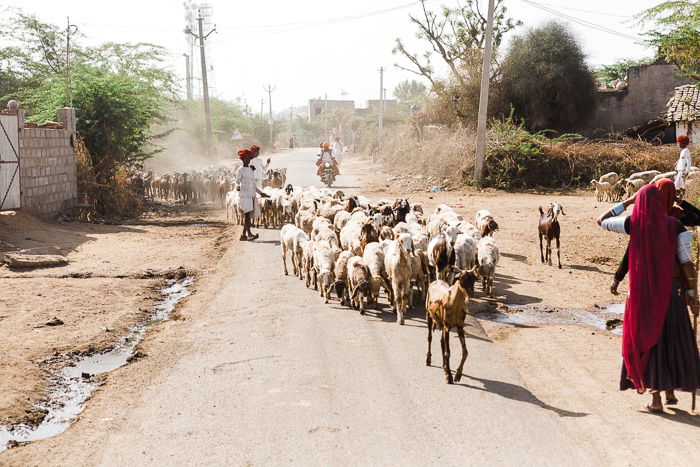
{"x":612,"y":187}
{"x":354,"y":248}
{"x":199,"y":186}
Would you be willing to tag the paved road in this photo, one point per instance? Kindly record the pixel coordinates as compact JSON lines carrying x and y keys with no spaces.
{"x":270,"y":375}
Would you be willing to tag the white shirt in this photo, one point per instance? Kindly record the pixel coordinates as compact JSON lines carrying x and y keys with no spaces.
{"x":337,"y":149}
{"x":260,"y":168}
{"x":245,"y":179}
{"x":684,"y":161}
{"x":326,"y":156}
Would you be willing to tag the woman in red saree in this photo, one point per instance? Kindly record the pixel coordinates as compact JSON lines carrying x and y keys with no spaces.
{"x":658,"y":347}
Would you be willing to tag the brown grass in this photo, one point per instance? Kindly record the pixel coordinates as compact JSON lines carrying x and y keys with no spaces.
{"x":517,"y":159}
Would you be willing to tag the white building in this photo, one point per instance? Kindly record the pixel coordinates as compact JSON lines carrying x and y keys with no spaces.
{"x":683,"y":111}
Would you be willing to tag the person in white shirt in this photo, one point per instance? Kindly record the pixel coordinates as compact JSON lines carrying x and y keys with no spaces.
{"x":247,"y":188}
{"x":259,"y":165}
{"x":683,"y":164}
{"x":338,"y":150}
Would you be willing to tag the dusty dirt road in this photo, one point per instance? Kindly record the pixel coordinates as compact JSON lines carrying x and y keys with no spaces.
{"x":260,"y":372}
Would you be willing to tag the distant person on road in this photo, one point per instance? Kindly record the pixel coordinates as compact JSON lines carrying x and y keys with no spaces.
{"x":259,"y":166}
{"x":683,"y":165}
{"x":338,"y":150}
{"x":247,"y":199}
{"x":659,"y":350}
{"x":327,"y":156}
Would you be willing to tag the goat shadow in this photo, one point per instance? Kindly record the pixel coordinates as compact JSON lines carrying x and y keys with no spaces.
{"x":516,"y":393}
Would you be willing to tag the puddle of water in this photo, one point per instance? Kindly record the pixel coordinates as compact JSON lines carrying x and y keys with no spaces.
{"x":594,"y":319}
{"x":69,"y":389}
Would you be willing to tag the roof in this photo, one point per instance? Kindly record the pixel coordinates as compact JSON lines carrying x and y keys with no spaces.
{"x":684,"y":106}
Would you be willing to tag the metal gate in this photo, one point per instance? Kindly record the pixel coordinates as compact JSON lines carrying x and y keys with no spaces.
{"x":9,"y":162}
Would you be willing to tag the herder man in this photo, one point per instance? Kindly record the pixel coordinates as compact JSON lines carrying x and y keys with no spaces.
{"x":259,"y":166}
{"x":247,"y":201}
{"x":682,"y":165}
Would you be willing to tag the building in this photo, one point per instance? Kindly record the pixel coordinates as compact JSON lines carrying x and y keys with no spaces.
{"x":390,"y":105}
{"x":317,"y":106}
{"x":649,"y":87}
{"x":683,"y":112}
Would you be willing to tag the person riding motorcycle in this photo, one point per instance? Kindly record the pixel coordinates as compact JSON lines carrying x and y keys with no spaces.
{"x":327,"y":156}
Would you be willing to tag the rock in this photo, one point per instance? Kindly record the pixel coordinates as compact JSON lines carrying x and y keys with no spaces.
{"x":85,"y":375}
{"x":21,"y":260}
{"x":612,"y":324}
{"x":54,"y":322}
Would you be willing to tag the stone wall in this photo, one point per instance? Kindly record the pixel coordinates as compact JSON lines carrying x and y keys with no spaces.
{"x":48,"y":169}
{"x":648,"y":91}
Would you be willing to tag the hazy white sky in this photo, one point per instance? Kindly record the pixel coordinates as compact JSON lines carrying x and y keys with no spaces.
{"x":315,"y":57}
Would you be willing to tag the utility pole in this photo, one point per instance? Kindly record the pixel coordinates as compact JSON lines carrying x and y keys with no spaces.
{"x":291,"y":120}
{"x":325,"y":114}
{"x":484,"y":100}
{"x":269,"y":101}
{"x":380,"y":135}
{"x":188,"y":77}
{"x":205,"y":84}
{"x":71,"y":29}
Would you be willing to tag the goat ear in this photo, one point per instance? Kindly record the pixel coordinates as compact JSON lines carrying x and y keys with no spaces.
{"x":562,"y":210}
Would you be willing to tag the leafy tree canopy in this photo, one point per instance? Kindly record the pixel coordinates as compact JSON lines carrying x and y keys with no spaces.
{"x":546,"y":80}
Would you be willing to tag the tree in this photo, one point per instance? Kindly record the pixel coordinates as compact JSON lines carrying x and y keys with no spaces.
{"x":410,"y":92}
{"x":546,"y":81}
{"x":677,"y":33}
{"x":457,"y":36}
{"x":120,"y":91}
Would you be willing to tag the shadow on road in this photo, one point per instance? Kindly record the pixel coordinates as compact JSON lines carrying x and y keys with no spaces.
{"x":517,"y":393}
{"x":677,"y":415}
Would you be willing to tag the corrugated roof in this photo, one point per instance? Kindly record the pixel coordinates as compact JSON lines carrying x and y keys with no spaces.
{"x":684,"y":106}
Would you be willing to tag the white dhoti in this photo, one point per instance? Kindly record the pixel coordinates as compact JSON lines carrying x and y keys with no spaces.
{"x":249,"y":204}
{"x":679,"y":180}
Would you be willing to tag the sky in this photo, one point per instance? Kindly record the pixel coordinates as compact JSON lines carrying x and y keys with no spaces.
{"x":309,"y":48}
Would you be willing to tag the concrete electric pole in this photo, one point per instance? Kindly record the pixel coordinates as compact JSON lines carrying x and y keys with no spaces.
{"x":188,"y":77}
{"x":205,"y":84}
{"x":269,"y":90}
{"x":484,"y":100}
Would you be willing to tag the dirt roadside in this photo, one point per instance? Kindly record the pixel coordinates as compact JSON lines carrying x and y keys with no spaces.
{"x":112,"y":281}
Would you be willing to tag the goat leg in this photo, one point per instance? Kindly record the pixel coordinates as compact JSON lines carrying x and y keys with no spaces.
{"x":558,"y":254}
{"x":284,"y":261}
{"x":429,"y":321}
{"x":446,"y":355}
{"x":465,"y":353}
{"x":541,"y":252}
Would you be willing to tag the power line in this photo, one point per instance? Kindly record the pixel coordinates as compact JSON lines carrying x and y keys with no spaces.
{"x":601,"y":13}
{"x":292,"y":27}
{"x":583,"y":22}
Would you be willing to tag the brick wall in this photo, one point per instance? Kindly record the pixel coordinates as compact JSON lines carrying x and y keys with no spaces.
{"x":48,"y":170}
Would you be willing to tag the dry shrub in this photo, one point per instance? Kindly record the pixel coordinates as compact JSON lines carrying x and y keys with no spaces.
{"x":443,"y":153}
{"x":120,"y":197}
{"x":518,"y":159}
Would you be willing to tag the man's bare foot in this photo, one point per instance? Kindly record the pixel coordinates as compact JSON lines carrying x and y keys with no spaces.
{"x":671,"y":398}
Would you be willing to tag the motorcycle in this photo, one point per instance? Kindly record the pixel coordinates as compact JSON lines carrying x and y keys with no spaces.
{"x":327,"y":176}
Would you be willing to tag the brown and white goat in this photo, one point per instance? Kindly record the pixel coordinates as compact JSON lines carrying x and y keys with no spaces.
{"x":368,"y":234}
{"x":446,"y":308}
{"x":550,"y":229}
